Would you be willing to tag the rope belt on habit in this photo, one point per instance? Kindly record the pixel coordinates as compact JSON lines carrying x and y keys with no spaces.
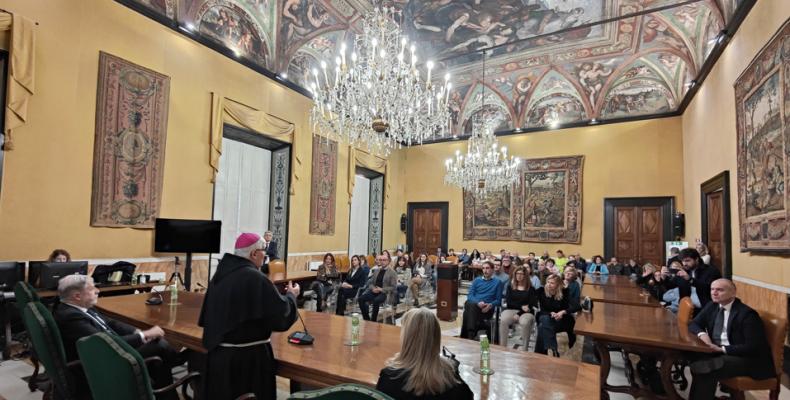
{"x":250,"y":344}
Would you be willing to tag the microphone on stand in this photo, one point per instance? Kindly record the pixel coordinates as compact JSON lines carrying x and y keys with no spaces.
{"x":155,"y":301}
{"x":300,"y":338}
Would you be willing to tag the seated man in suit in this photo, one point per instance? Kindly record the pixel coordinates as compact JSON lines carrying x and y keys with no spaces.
{"x":76,"y":318}
{"x":381,"y":285}
{"x":736,"y":333}
{"x":484,"y":294}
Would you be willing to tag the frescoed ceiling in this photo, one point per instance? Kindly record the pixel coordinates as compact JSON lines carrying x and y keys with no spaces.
{"x":547,"y":61}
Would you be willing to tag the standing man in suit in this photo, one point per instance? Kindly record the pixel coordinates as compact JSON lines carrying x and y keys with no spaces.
{"x":77,"y":318}
{"x":270,"y":249}
{"x":736,"y":334}
{"x":694,"y":274}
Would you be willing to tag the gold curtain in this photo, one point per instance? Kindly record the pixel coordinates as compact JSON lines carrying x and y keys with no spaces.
{"x":228,"y":111}
{"x":371,"y":162}
{"x":21,"y":71}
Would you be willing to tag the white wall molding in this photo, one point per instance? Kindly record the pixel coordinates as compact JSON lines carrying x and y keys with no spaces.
{"x":771,"y":286}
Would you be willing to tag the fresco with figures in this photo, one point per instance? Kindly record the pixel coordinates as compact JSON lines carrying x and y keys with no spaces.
{"x":762,"y":98}
{"x":549,"y":61}
{"x":546,"y":207}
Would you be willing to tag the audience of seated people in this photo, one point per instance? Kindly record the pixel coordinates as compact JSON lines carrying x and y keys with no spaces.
{"x":381,"y":285}
{"x":696,"y":274}
{"x":521,"y":300}
{"x":555,"y":315}
{"x":485,"y":294}
{"x":598,"y":267}
{"x":325,"y":279}
{"x":403,"y":271}
{"x":355,"y":279}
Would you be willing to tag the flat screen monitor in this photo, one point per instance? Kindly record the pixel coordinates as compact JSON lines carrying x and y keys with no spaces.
{"x":11,"y":272}
{"x":51,"y":272}
{"x":187,"y":236}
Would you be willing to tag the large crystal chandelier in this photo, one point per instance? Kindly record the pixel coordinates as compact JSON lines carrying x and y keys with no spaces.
{"x":375,"y":96}
{"x":485,"y":167}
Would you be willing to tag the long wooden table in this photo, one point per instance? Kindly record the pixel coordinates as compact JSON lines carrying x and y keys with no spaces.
{"x":109,"y":289}
{"x":609,"y":280}
{"x":633,"y":296}
{"x":519,"y":375}
{"x":646,"y":331}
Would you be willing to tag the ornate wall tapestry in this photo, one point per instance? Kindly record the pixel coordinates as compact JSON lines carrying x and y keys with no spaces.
{"x":129,"y":149}
{"x":323,"y":187}
{"x":762,"y":101}
{"x":546,"y":207}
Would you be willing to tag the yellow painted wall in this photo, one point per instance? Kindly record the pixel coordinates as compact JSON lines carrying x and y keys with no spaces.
{"x":709,"y":136}
{"x":46,"y":187}
{"x":635,"y":159}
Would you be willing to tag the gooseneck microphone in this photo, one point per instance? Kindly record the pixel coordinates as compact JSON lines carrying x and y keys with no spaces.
{"x":155,"y":301}
{"x":301,"y":338}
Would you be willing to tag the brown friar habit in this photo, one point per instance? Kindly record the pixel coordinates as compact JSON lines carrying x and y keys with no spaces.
{"x":242,"y":306}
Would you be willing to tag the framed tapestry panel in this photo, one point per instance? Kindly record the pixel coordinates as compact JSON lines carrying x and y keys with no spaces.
{"x":129,"y":149}
{"x":323,"y":186}
{"x":762,"y":101}
{"x":546,"y":207}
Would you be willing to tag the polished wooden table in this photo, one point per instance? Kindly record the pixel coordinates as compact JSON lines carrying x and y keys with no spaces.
{"x":519,"y":375}
{"x":609,"y":280}
{"x":634,"y":295}
{"x":646,"y":331}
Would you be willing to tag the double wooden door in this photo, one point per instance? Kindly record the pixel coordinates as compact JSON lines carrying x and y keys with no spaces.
{"x":428,"y":228}
{"x":715,"y":213}
{"x":638,"y":228}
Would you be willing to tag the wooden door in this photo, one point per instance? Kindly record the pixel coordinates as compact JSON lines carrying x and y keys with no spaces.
{"x":650,"y":237}
{"x":427,"y":230}
{"x":625,"y":243}
{"x":715,"y":228}
{"x":637,"y":228}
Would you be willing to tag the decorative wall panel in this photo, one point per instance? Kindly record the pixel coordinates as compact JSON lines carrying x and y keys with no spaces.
{"x":323,"y":187}
{"x":546,"y":207}
{"x":278,"y":204}
{"x":376,"y":214}
{"x":131,"y":129}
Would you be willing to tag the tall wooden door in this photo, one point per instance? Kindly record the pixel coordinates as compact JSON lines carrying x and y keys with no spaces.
{"x":637,"y":228}
{"x":428,"y":227}
{"x":639,"y":234}
{"x":715,"y":209}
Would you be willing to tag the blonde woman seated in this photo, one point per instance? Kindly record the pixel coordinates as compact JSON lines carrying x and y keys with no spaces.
{"x":521,"y":299}
{"x":418,"y":371}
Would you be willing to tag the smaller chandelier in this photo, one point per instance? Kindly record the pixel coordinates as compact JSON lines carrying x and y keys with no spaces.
{"x":486,"y":167}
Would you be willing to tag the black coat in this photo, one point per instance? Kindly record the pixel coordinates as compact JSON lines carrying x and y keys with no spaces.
{"x":358,"y":279}
{"x":705,"y":275}
{"x":745,"y":332}
{"x":75,"y":324}
{"x":271,"y":251}
{"x":391,"y":381}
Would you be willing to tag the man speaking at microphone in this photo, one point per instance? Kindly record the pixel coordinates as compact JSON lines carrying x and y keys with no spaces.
{"x":240,"y":311}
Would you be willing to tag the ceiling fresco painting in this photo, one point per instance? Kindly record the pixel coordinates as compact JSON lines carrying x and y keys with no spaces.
{"x":548,"y":62}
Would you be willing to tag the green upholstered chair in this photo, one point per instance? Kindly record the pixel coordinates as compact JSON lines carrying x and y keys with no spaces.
{"x":115,"y":370}
{"x":346,"y":391}
{"x":48,"y":345}
{"x":24,"y":293}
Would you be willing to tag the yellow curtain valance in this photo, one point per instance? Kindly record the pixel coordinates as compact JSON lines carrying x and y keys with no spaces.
{"x":228,"y":111}
{"x":21,"y":70}
{"x":371,"y":162}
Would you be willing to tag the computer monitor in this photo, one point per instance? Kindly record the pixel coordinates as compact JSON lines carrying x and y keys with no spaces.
{"x":11,"y":272}
{"x":51,"y":272}
{"x":187,"y":236}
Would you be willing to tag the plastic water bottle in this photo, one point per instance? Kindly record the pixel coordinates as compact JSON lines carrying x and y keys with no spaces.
{"x":174,"y":292}
{"x":485,"y":355}
{"x":354,"y":329}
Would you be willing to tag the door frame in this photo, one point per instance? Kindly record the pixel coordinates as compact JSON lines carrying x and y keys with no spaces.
{"x":667,"y":205}
{"x":445,"y":210}
{"x":370,"y":175}
{"x":718,"y":182}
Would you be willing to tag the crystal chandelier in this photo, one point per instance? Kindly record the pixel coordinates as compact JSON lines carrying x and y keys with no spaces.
{"x":375,"y":96}
{"x":485,"y":167}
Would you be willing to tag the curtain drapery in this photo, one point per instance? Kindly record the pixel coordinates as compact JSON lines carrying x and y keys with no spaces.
{"x":21,"y":45}
{"x":228,"y":111}
{"x":357,"y":157}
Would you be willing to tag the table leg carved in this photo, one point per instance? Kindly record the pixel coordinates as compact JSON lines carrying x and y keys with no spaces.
{"x":667,"y":359}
